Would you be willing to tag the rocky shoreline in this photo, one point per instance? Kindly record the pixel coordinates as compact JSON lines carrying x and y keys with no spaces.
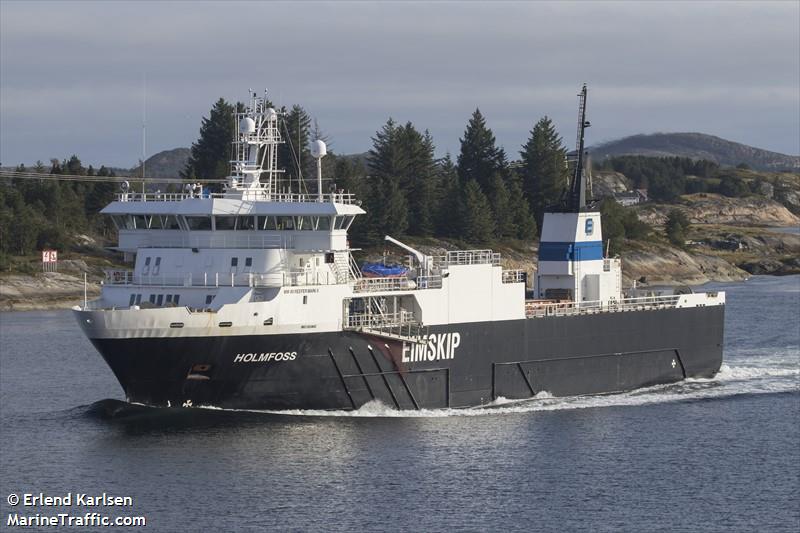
{"x":744,"y":252}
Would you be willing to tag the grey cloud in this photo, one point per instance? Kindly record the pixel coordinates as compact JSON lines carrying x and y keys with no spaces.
{"x":729,"y":69}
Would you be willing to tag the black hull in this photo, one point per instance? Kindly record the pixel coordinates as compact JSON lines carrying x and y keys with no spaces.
{"x":564,"y":356}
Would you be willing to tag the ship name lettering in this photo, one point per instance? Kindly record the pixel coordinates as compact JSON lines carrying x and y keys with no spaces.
{"x":433,"y":347}
{"x":264,"y":357}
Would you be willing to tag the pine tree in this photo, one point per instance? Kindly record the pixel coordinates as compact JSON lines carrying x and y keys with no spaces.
{"x":544,"y":170}
{"x":447,"y":216}
{"x":418,"y":179}
{"x":294,"y":155}
{"x":394,"y":211}
{"x":500,"y":200}
{"x":479,"y":159}
{"x":476,"y":214}
{"x":523,"y":220}
{"x":211,"y":153}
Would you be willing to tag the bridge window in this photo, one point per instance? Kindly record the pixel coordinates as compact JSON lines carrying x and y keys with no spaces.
{"x":245,"y":223}
{"x":153,"y":221}
{"x":225,"y":223}
{"x":169,"y":222}
{"x":347,"y":221}
{"x":139,"y":222}
{"x":198,"y":223}
{"x":339,"y":222}
{"x":123,"y":221}
{"x":305,"y":223}
{"x":324,"y":223}
{"x":285,"y":223}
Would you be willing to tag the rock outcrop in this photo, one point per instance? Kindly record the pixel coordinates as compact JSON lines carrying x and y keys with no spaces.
{"x":706,"y":208}
{"x":48,"y":290}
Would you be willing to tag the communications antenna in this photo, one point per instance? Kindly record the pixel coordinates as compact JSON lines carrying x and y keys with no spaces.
{"x":576,"y":199}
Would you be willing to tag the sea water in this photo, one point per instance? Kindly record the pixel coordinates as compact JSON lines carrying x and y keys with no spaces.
{"x":719,"y":454}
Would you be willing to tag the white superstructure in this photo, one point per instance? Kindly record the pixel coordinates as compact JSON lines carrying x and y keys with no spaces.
{"x":266,"y":257}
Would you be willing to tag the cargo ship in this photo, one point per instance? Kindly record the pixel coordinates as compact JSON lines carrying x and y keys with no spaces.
{"x":250,"y":298}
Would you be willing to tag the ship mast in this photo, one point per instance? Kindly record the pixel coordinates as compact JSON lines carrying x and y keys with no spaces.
{"x":576,"y":198}
{"x":256,"y":145}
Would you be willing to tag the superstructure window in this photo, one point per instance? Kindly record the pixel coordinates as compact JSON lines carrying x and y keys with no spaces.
{"x":245,"y":223}
{"x":169,"y":222}
{"x":160,"y":300}
{"x":140,"y":221}
{"x":285,"y":223}
{"x":198,"y":223}
{"x":234,"y":261}
{"x":225,"y":223}
{"x":146,"y":269}
{"x":132,"y":300}
{"x":265,"y":222}
{"x":209,"y":298}
{"x":248,"y":261}
{"x":305,"y":223}
{"x":123,"y":221}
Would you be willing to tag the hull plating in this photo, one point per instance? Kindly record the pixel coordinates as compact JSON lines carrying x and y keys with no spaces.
{"x":460,"y":365}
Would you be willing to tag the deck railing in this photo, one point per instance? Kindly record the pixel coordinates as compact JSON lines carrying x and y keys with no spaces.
{"x":249,"y":194}
{"x":222,"y":240}
{"x":513,"y":276}
{"x":397,"y":284}
{"x":380,"y":320}
{"x":466,"y":257}
{"x":543,"y":308}
{"x":292,"y":278}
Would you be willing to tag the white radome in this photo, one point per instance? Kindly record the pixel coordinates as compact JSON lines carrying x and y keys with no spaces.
{"x":318,"y":149}
{"x":247,"y":125}
{"x":271,"y":114}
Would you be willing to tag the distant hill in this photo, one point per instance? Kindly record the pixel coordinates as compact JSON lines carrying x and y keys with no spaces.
{"x":697,"y":146}
{"x":166,"y":164}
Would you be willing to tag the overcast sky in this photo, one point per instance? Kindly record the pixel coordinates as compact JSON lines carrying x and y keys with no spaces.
{"x":72,"y":73}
